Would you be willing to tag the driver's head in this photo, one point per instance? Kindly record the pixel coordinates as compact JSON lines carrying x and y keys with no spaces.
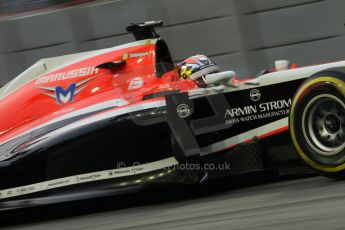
{"x":196,"y":67}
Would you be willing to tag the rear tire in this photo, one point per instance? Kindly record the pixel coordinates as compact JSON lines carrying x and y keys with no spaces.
{"x":317,"y":123}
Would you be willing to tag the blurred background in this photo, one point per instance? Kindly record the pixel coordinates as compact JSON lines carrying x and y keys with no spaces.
{"x":242,"y":35}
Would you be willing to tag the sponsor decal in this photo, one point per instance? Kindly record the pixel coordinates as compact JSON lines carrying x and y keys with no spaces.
{"x":125,"y":56}
{"x":57,"y":183}
{"x":65,"y":95}
{"x":148,"y":42}
{"x":88,"y":177}
{"x":136,"y":83}
{"x":83,"y":72}
{"x":164,"y":86}
{"x":137,"y":55}
{"x":183,"y":110}
{"x":257,"y":112}
{"x":255,"y":95}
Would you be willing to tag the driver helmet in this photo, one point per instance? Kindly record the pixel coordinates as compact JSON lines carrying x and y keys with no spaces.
{"x":196,"y":67}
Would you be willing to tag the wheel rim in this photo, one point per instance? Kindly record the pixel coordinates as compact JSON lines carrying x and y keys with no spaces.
{"x":324,"y":125}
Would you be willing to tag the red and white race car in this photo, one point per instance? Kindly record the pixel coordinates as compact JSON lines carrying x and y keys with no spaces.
{"x":111,"y":121}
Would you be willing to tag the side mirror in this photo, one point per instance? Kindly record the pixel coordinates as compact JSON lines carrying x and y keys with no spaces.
{"x":222,"y":77}
{"x":112,"y":65}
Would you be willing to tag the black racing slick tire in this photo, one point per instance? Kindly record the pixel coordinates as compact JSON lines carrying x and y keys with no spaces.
{"x":317,"y":123}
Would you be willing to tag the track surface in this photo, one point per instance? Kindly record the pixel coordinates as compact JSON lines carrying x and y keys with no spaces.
{"x":307,"y":203}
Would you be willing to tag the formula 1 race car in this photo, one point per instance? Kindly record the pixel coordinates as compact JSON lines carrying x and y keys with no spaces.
{"x":111,"y":121}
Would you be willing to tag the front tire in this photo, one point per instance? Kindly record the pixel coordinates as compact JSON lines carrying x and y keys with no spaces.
{"x":317,"y":123}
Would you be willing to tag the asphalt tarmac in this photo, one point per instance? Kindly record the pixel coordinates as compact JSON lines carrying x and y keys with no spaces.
{"x":302,"y":203}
